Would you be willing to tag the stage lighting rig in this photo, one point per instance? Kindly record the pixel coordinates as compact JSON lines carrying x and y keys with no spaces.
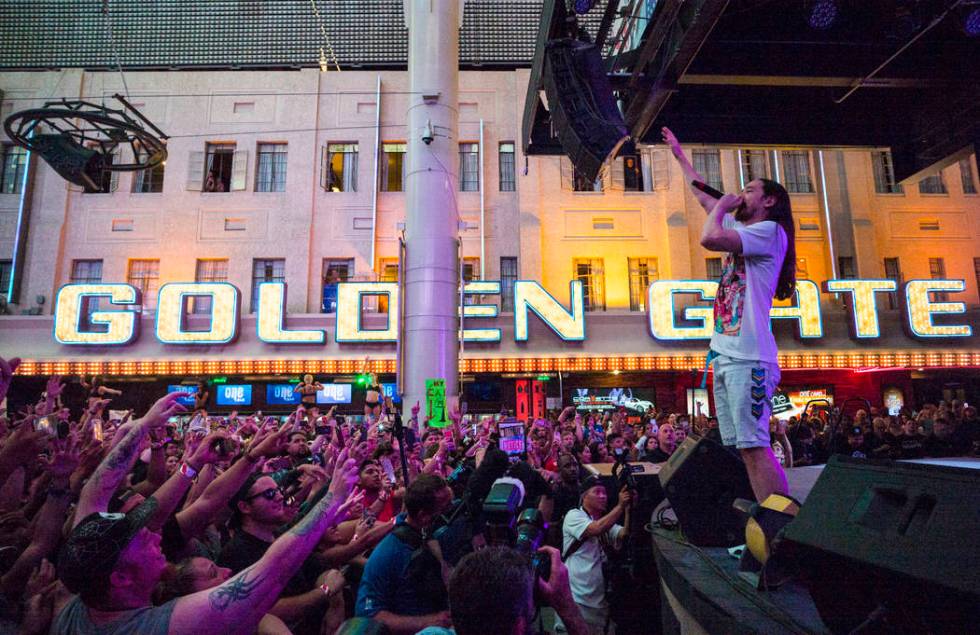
{"x":79,"y":139}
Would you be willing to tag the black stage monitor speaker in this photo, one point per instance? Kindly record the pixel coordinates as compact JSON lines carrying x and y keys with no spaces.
{"x":582,"y":106}
{"x":701,"y":480}
{"x":890,"y":546}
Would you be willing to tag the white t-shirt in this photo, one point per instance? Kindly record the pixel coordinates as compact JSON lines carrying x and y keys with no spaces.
{"x":585,"y":565}
{"x":745,"y":292}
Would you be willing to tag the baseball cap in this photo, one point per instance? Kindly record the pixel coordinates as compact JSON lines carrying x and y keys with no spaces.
{"x":588,"y":483}
{"x":94,"y":545}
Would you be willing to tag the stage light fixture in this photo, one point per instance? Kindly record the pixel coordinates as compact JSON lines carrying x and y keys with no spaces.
{"x":584,"y":6}
{"x":971,"y":25}
{"x":823,"y":14}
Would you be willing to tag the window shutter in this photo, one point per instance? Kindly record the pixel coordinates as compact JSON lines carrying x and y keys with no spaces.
{"x":239,"y":170}
{"x":567,"y":174}
{"x":646,"y":160}
{"x":617,"y":174}
{"x":324,"y":171}
{"x":661,"y":169}
{"x":195,"y":171}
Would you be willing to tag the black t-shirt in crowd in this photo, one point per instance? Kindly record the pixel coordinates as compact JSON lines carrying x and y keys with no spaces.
{"x":535,"y":486}
{"x":244,"y":550}
{"x":657,"y":456}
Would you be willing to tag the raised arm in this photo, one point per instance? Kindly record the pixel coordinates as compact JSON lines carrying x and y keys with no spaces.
{"x":690,"y":174}
{"x":239,"y":603}
{"x":113,"y":469}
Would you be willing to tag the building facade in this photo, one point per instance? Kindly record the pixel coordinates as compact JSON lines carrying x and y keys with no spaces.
{"x":297,"y":176}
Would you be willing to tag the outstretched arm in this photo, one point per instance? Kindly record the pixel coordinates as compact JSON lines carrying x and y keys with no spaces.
{"x":113,"y":469}
{"x":690,"y":174}
{"x":239,"y":603}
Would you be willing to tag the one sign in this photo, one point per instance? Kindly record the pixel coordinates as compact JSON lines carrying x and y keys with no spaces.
{"x":333,"y":394}
{"x":281,"y":395}
{"x":234,"y":395}
{"x":435,"y":403}
{"x":184,"y":401}
{"x":391,"y":390}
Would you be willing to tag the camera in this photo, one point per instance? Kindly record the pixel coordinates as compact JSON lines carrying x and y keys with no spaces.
{"x":524,"y":532}
{"x":428,"y":134}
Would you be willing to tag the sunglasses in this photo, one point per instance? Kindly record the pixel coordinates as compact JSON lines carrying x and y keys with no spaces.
{"x":269,"y":494}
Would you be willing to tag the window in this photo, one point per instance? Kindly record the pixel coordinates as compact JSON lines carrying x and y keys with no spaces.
{"x":508,"y":181}
{"x":583,"y":184}
{"x":802,"y":269}
{"x":508,"y":276}
{"x":632,"y":173}
{"x":220,"y":160}
{"x":937,"y":271}
{"x":471,"y":272}
{"x":6,"y":271}
{"x":14,"y":162}
{"x":335,"y":270}
{"x":796,"y":172}
{"x":389,"y":273}
{"x":976,"y":272}
{"x":755,"y":165}
{"x":86,"y":272}
{"x":933,"y":184}
{"x":642,"y":272}
{"x":845,"y":268}
{"x":589,"y":272}
{"x":208,"y":271}
{"x":707,"y":163}
{"x":150,"y":180}
{"x":469,"y":167}
{"x":265,"y":270}
{"x":145,"y":276}
{"x":893,"y":271}
{"x":393,"y":167}
{"x":966,"y":176}
{"x":270,"y":174}
{"x":712,"y":268}
{"x":884,"y":171}
{"x":338,"y":169}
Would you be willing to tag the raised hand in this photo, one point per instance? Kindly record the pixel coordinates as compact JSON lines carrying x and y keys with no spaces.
{"x":164,"y":408}
{"x":670,"y":139}
{"x":64,"y":459}
{"x":7,"y":369}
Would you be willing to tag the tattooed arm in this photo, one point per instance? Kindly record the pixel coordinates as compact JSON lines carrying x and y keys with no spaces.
{"x":113,"y":469}
{"x":239,"y":603}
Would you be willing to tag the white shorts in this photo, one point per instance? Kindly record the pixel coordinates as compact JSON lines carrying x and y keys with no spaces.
{"x":743,"y":390}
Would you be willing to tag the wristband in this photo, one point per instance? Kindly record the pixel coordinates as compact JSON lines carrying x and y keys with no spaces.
{"x":187,"y":470}
{"x":326,"y":590}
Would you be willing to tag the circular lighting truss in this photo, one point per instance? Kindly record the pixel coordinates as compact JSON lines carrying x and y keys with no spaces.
{"x":971,"y":25}
{"x":822,"y":14}
{"x":80,"y":140}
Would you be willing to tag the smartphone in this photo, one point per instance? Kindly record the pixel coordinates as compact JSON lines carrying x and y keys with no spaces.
{"x":475,"y":430}
{"x":97,"y":432}
{"x":321,"y":429}
{"x":707,"y":189}
{"x":512,"y":438}
{"x":48,"y":425}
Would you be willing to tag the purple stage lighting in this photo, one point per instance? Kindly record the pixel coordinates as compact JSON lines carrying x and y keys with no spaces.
{"x":823,"y":13}
{"x":972,"y":23}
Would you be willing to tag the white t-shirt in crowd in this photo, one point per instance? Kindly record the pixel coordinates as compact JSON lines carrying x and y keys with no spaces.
{"x":745,"y":292}
{"x":585,"y":565}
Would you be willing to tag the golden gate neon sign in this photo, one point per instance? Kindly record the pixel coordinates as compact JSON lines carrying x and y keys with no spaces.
{"x":121,"y":326}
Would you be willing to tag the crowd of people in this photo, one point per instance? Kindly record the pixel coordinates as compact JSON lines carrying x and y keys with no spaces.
{"x":243,"y":523}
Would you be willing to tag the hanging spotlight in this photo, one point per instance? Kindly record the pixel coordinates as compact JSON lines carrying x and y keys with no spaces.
{"x":972,"y":23}
{"x":584,"y":6}
{"x":822,"y":14}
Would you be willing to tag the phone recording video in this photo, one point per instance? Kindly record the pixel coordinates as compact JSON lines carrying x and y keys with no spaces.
{"x":512,"y":438}
{"x":48,"y":425}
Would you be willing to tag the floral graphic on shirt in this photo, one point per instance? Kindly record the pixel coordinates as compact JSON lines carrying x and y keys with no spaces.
{"x":730,"y":299}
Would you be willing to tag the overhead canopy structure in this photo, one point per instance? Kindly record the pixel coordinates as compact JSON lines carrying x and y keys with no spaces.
{"x":899,"y":74}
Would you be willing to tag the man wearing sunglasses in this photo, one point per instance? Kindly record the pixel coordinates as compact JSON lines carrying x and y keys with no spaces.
{"x":259,"y":510}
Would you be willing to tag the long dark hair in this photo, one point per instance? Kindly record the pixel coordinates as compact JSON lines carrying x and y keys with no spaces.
{"x":782,"y":213}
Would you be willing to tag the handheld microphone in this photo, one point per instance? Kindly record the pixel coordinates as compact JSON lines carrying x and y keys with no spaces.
{"x":707,"y":189}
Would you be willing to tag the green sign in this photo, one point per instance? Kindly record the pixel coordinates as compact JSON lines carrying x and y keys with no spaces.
{"x":435,"y":403}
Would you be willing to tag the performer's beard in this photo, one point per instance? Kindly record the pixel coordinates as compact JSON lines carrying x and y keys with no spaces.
{"x":741,"y":213}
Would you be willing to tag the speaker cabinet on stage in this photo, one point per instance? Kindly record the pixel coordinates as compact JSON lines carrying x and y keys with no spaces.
{"x":582,"y":105}
{"x":702,"y":479}
{"x":900,"y":540}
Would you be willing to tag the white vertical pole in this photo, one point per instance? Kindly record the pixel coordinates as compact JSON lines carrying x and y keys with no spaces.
{"x":483,"y":209}
{"x":374,"y":188}
{"x":431,"y":346}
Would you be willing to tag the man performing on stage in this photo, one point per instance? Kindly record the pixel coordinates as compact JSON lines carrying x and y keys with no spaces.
{"x":755,"y":231}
